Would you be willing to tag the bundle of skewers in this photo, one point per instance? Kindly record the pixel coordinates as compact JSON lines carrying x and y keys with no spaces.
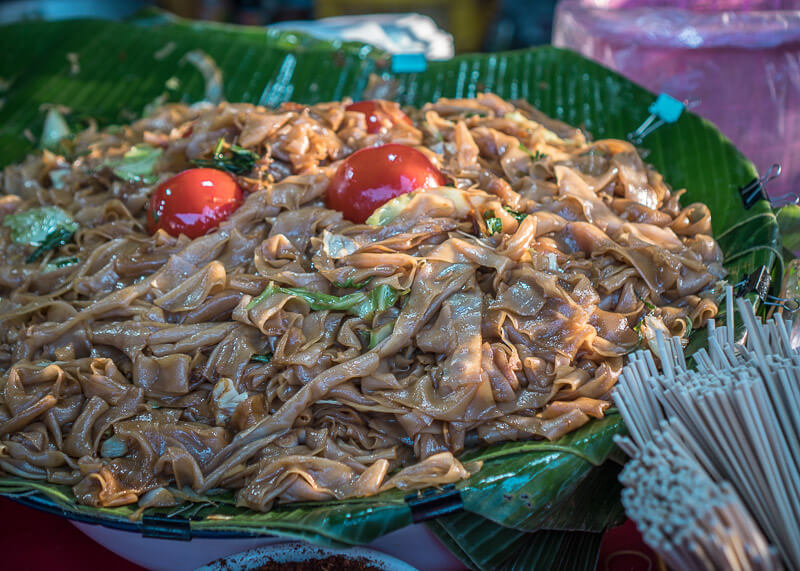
{"x":714,"y":480}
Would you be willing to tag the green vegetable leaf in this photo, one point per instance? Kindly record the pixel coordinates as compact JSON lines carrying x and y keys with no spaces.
{"x":379,"y":299}
{"x":317,"y":300}
{"x":56,"y":238}
{"x":379,"y":334}
{"x":362,"y":304}
{"x":230,"y":158}
{"x":137,"y":165}
{"x":265,"y":358}
{"x":33,"y":226}
{"x":518,"y":216}
{"x":493,"y":224}
{"x":350,"y":284}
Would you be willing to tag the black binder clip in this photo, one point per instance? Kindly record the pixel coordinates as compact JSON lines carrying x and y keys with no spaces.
{"x":758,"y":283}
{"x":433,"y":503}
{"x":754,"y":190}
{"x":162,"y":527}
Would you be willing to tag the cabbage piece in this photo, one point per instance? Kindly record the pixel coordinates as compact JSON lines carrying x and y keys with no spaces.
{"x":137,"y":165}
{"x":55,"y":129}
{"x":390,"y":210}
{"x":226,"y":398}
{"x":33,"y":226}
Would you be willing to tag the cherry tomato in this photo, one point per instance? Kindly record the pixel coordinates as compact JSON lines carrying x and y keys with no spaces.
{"x":193,"y":202}
{"x":374,"y":175}
{"x":374,"y":114}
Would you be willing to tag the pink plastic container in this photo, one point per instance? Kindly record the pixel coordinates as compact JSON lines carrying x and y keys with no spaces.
{"x":738,"y":61}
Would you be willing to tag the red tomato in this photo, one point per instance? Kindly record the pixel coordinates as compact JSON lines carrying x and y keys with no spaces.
{"x":374,"y":114}
{"x":193,"y":202}
{"x":374,"y":175}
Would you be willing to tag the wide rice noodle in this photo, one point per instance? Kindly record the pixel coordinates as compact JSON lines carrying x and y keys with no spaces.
{"x":132,"y":371}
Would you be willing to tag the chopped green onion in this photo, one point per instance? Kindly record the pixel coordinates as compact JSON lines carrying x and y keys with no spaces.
{"x":493,"y":224}
{"x":647,"y":304}
{"x":518,"y":216}
{"x":230,"y":158}
{"x":537,"y":156}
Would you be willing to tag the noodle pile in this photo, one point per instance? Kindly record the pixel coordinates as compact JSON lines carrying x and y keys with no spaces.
{"x":498,"y":308}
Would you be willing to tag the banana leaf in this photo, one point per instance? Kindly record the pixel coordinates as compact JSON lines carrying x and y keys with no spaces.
{"x":111,"y":71}
{"x":504,"y":548}
{"x":591,"y":508}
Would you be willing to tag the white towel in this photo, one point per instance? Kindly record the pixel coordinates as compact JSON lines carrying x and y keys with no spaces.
{"x":394,"y":33}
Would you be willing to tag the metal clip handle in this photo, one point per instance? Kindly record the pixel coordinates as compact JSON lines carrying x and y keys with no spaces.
{"x":758,"y":283}
{"x":754,"y":190}
{"x":650,"y":124}
{"x":432,"y":503}
{"x":784,"y":200}
{"x":665,"y":109}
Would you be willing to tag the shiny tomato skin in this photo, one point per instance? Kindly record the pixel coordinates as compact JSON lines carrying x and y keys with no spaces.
{"x":193,"y":202}
{"x":374,"y":175}
{"x":373,"y":114}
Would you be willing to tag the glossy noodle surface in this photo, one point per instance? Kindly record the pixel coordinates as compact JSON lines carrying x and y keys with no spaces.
{"x":292,"y":355}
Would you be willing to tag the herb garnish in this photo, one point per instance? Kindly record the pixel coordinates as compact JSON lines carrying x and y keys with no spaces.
{"x":493,"y":224}
{"x":54,"y":239}
{"x":537,"y":156}
{"x":518,"y":216}
{"x":230,"y":158}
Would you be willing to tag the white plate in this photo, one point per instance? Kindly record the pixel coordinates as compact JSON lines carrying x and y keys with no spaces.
{"x":299,"y":552}
{"x":414,"y":545}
